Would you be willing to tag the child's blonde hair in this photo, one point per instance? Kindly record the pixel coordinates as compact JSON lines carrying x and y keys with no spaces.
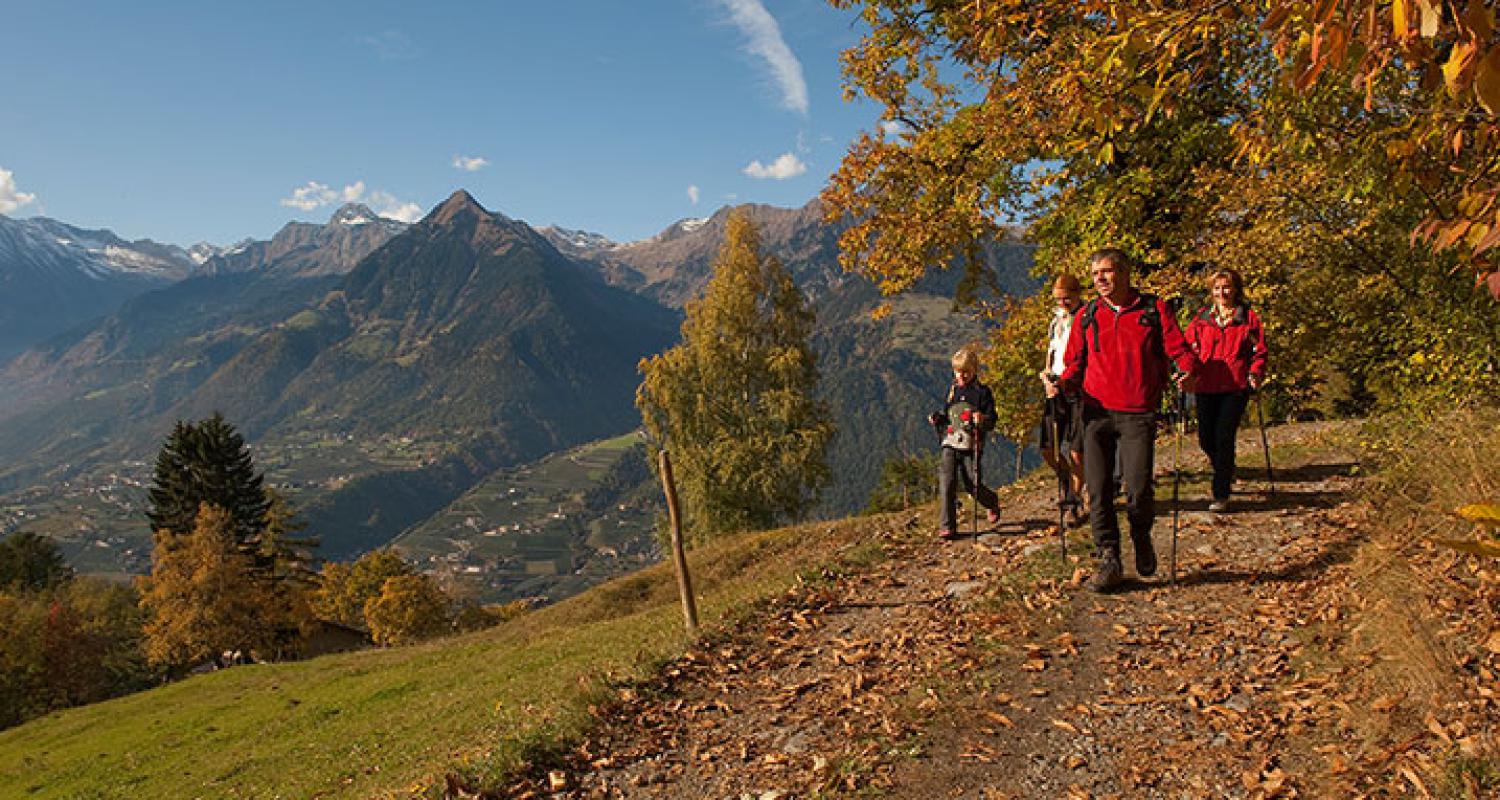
{"x":966,"y":360}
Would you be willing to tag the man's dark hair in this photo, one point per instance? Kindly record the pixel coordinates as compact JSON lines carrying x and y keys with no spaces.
{"x":1114,"y":255}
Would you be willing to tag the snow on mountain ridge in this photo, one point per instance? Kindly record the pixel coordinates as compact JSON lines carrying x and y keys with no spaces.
{"x":578,"y":239}
{"x":353,"y":214}
{"x":47,"y":245}
{"x":203,"y":251}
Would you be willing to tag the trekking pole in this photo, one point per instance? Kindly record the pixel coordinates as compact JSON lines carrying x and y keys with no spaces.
{"x":1264,"y":444}
{"x":937,"y":427}
{"x":1177,"y":429}
{"x":978,"y":474}
{"x":1062,"y":478}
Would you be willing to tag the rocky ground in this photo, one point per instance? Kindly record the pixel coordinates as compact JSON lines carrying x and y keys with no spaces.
{"x":1276,"y":665}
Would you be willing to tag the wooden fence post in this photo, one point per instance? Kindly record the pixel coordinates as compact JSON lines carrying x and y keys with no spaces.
{"x":679,"y":559}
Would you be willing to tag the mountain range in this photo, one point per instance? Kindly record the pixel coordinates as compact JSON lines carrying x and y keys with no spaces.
{"x":54,"y":276}
{"x":305,"y":250}
{"x":381,"y":369}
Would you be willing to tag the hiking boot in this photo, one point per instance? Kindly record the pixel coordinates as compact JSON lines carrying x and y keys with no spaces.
{"x":1108,"y":574}
{"x":1145,"y":556}
{"x":1219,"y":506}
{"x":945,"y":533}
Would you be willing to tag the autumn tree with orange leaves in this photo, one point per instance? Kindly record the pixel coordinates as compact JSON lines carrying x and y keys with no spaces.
{"x":202,"y":597}
{"x":1341,"y":154}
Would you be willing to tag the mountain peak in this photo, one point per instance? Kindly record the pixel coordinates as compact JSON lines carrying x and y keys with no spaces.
{"x":458,"y":204}
{"x":576,"y":240}
{"x":352,"y":214}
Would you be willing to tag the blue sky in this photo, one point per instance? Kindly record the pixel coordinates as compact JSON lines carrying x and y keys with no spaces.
{"x":194,"y":121}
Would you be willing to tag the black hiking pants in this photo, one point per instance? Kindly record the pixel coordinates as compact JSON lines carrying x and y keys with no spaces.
{"x":960,"y":464}
{"x":1219,"y":416}
{"x":1133,"y":438}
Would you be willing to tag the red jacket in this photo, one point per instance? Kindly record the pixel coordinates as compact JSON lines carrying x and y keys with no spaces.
{"x":1230,"y":354}
{"x":1122,"y":359}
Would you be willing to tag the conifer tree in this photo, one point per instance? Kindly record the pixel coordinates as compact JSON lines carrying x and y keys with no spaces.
{"x":733,"y":402}
{"x":905,"y":481}
{"x":208,"y":462}
{"x":292,"y":579}
{"x":29,"y":562}
{"x":291,"y":556}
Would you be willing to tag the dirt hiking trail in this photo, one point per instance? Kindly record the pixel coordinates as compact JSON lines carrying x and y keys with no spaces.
{"x":982,"y":668}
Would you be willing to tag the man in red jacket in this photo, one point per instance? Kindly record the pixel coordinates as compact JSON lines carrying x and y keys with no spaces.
{"x":1119,"y":354}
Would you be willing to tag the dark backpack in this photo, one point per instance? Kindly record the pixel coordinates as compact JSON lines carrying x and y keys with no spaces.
{"x":1150,"y":317}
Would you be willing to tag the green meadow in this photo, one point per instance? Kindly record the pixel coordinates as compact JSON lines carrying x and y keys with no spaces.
{"x":392,"y":723}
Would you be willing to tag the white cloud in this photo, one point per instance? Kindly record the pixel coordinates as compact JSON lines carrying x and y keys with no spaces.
{"x":386,"y":205}
{"x":309,"y":197}
{"x":760,"y":27}
{"x":11,"y":198}
{"x":392,"y":46}
{"x":315,"y":195}
{"x":785,"y":166}
{"x":893,"y":127}
{"x":693,"y":194}
{"x":470,"y":163}
{"x":406,"y":212}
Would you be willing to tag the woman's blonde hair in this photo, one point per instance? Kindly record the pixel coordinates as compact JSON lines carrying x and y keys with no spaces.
{"x":966,"y":360}
{"x":1235,"y":281}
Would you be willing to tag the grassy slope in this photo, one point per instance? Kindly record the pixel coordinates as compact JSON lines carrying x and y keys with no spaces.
{"x":390,"y":723}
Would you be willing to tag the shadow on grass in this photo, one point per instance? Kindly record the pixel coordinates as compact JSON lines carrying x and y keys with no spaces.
{"x":1256,"y":473}
{"x":1305,"y":569}
{"x":1309,"y":473}
{"x":1257,"y":501}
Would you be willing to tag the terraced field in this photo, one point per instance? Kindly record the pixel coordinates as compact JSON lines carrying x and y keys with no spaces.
{"x":548,"y":529}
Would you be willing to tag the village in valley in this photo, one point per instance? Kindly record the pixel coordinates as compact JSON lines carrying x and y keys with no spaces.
{"x":546,"y":530}
{"x":538,"y":532}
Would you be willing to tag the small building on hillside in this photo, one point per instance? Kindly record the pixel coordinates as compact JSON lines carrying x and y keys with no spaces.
{"x":332,"y":637}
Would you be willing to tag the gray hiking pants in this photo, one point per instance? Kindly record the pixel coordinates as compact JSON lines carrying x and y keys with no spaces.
{"x":1133,"y":437}
{"x":959,"y":464}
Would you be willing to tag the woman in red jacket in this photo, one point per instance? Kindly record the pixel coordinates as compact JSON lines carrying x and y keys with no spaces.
{"x":1228,"y":338}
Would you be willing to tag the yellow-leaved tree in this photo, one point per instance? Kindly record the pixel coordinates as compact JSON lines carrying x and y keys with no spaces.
{"x":1343,"y":155}
{"x":344,"y":589}
{"x":733,"y":402}
{"x":203,"y":598}
{"x":408,"y":609}
{"x":1016,"y":356}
